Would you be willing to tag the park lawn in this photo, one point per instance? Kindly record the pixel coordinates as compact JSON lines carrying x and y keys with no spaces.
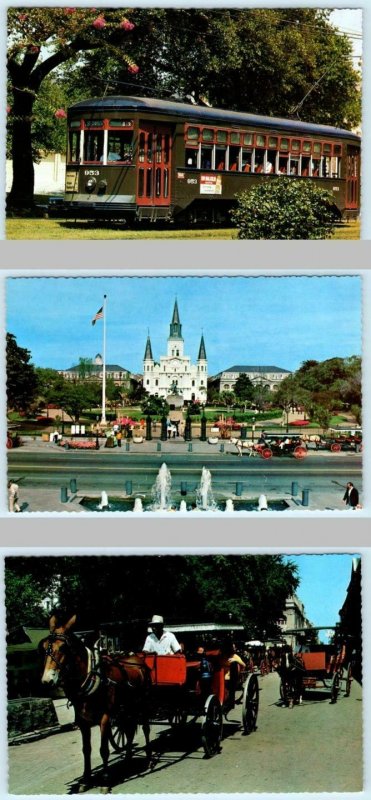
{"x":39,"y":228}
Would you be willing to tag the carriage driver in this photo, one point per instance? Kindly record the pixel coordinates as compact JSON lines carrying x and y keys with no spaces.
{"x":160,"y":641}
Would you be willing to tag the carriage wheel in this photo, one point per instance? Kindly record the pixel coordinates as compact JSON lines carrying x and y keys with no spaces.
{"x":116,"y":735}
{"x":335,"y":448}
{"x":335,"y":687}
{"x":300,"y":452}
{"x":266,"y":452}
{"x":9,"y":443}
{"x":348,"y":684}
{"x":212,"y":726}
{"x":250,"y":704}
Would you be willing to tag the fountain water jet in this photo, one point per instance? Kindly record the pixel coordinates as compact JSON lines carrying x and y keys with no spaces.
{"x":138,"y":505}
{"x":205,"y":499}
{"x":183,"y":506}
{"x":229,"y":505}
{"x":103,"y":501}
{"x":262,"y":503}
{"x":161,"y":489}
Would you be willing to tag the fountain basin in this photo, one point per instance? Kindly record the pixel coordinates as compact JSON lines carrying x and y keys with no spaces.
{"x":124,"y":504}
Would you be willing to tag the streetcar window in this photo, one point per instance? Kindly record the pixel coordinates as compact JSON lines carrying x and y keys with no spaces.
{"x":295,"y":145}
{"x":166,"y":148}
{"x":166,"y":182}
{"x":317,"y":147}
{"x":248,"y":138}
{"x":305,"y":166}
{"x":149,"y":148}
{"x":191,"y":157}
{"x":221,"y":136}
{"x":327,"y":148}
{"x":316,"y":167}
{"x":141,"y":183}
{"x":149,"y":183}
{"x":336,"y":167}
{"x":141,"y":147}
{"x":307,"y":147}
{"x":121,"y":123}
{"x":75,"y":123}
{"x":284,"y":143}
{"x":234,"y":157}
{"x":207,"y":135}
{"x":93,"y":146}
{"x":158,"y":149}
{"x":294,"y":166}
{"x":337,"y":149}
{"x":327,"y":167}
{"x":260,"y":140}
{"x":206,"y":155}
{"x":158,"y":182}
{"x":246,"y":160}
{"x":271,"y":161}
{"x":193,"y":133}
{"x":220,"y":157}
{"x":235,"y":138}
{"x":282,"y":164}
{"x":120,"y":146}
{"x":74,"y":147}
{"x":259,"y":160}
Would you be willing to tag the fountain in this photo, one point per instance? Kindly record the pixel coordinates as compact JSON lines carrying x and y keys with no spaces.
{"x":229,"y":505}
{"x":262,"y":503}
{"x":183,"y":506}
{"x":205,"y":499}
{"x":161,"y":490}
{"x":138,"y":505}
{"x":103,"y":501}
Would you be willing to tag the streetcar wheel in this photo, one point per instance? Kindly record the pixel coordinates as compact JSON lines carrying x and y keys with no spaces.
{"x":266,"y":452}
{"x":116,"y":735}
{"x":300,"y":452}
{"x":212,"y":726}
{"x":348,"y":684}
{"x":250,"y":704}
{"x":335,"y":687}
{"x":335,"y":448}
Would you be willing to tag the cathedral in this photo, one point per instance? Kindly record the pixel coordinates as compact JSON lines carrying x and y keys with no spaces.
{"x":174,"y":377}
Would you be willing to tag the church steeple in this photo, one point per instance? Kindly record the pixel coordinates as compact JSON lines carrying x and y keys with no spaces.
{"x":148,"y":354}
{"x":202,"y":350}
{"x":175,"y":325}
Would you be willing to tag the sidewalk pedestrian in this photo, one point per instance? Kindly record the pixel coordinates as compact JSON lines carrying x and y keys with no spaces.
{"x":13,"y":490}
{"x":351,"y":496}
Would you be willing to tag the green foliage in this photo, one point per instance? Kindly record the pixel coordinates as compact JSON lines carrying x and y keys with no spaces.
{"x":21,"y":378}
{"x":252,"y":589}
{"x":244,"y":388}
{"x":155,"y":406}
{"x":285,"y":208}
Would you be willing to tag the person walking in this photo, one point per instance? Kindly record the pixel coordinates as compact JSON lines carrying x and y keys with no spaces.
{"x":13,"y":490}
{"x":351,"y":496}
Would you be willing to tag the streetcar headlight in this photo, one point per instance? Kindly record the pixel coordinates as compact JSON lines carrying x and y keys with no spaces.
{"x":90,"y":184}
{"x":102,"y":186}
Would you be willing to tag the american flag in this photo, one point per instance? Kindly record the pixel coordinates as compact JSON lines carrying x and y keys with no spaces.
{"x":98,"y":315}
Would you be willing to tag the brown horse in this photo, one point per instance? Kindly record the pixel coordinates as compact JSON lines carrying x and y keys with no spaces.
{"x":98,"y":687}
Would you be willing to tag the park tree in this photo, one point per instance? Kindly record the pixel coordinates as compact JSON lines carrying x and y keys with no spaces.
{"x":283,"y":208}
{"x":21,"y":377}
{"x":85,"y":368}
{"x":244,"y":388}
{"x":41,"y":41}
{"x":155,"y":406}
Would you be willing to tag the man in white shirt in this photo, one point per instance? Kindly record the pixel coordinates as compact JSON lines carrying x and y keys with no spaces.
{"x":161,"y":641}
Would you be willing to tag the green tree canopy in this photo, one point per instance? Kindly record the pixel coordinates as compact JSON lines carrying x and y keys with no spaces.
{"x":244,"y":388}
{"x":21,"y":377}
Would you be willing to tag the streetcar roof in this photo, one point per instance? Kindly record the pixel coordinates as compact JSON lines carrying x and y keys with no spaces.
{"x":204,"y":627}
{"x":204,"y":114}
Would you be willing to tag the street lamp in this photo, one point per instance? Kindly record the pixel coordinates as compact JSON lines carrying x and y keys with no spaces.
{"x":96,"y":436}
{"x":252,"y":429}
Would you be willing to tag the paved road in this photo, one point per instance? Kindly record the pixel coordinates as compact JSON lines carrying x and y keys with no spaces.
{"x":46,"y":470}
{"x":313,"y":747}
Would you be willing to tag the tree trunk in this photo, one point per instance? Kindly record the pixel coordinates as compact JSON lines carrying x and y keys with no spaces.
{"x":21,"y":196}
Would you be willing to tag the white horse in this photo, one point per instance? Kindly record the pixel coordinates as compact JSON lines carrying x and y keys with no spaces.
{"x":243,"y":444}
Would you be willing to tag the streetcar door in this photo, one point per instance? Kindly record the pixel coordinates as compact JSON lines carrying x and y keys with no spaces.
{"x":153,"y":165}
{"x":352,"y":178}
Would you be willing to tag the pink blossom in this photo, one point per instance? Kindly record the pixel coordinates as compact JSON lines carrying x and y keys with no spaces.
{"x":8,"y":109}
{"x":34,"y":48}
{"x":99,"y":23}
{"x":22,"y":17}
{"x":127,"y":25}
{"x":70,"y":10}
{"x":60,"y":113}
{"x":133,"y":68}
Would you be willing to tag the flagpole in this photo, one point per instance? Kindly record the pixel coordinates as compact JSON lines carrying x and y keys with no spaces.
{"x":104,"y":363}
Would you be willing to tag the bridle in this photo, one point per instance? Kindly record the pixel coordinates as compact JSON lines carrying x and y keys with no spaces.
{"x":92,"y":680}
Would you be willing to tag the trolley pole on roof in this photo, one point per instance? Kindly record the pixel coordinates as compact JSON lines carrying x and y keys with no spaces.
{"x":104,"y":362}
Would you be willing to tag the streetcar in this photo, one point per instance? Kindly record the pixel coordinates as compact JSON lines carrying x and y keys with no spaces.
{"x":139,"y":159}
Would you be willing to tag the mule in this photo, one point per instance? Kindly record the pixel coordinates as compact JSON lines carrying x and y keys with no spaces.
{"x":99,"y":687}
{"x":291,"y":671}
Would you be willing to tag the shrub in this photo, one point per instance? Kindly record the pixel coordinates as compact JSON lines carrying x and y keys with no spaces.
{"x":285,"y":208}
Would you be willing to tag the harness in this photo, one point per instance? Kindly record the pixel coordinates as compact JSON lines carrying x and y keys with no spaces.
{"x":93,"y":677}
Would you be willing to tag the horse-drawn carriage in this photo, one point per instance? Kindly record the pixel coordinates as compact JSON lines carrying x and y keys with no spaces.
{"x":273,"y":445}
{"x":120,"y":689}
{"x":341,"y":442}
{"x":315,"y":667}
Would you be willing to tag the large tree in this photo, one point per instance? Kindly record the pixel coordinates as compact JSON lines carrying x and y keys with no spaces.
{"x":259,"y":60}
{"x":21,"y":377}
{"x":40,"y":42}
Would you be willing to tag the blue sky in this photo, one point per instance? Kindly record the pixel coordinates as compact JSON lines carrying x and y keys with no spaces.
{"x":324,"y":580}
{"x":278,"y":321}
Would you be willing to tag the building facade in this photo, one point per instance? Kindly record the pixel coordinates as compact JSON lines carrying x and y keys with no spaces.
{"x":94,"y":371}
{"x":294,"y":619}
{"x":269,"y":376}
{"x":174,"y":376}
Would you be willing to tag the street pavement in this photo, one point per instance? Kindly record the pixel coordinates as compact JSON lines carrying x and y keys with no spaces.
{"x":326,"y":487}
{"x":314,"y":747}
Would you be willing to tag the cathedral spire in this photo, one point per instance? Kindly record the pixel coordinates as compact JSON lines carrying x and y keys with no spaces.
{"x":202,"y":350}
{"x":175,"y":325}
{"x":148,"y":354}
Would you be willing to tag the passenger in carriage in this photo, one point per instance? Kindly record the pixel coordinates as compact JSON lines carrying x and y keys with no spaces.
{"x":160,"y":641}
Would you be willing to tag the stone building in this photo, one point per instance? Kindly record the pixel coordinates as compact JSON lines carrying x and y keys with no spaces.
{"x":94,"y":371}
{"x":174,"y":377}
{"x":269,"y":376}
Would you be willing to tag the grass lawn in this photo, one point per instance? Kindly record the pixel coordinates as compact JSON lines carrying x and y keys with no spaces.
{"x":39,"y":228}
